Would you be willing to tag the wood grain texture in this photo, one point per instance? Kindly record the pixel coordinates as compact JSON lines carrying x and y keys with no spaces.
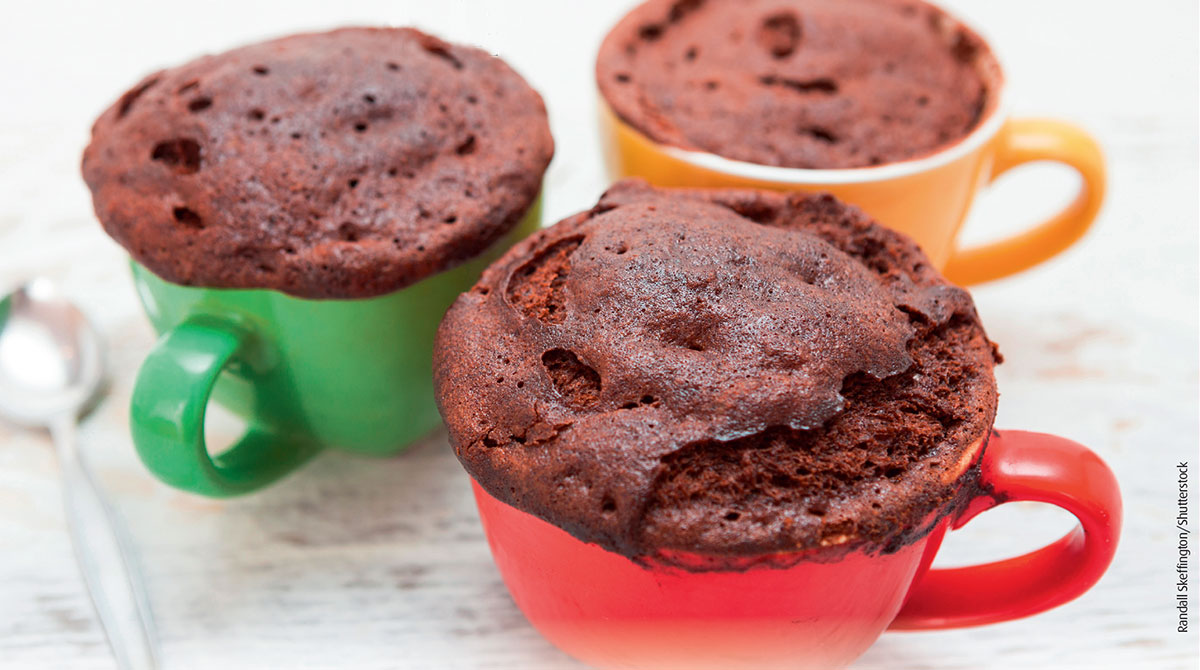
{"x":382,"y":564}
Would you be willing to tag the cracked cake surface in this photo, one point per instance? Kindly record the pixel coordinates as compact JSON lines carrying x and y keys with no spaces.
{"x":343,"y":164}
{"x":728,"y":372}
{"x":798,"y":83}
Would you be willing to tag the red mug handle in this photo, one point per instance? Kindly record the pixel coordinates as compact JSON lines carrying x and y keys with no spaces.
{"x":1016,"y":466}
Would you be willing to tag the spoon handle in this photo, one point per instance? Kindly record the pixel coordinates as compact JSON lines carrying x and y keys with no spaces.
{"x":102,"y":549}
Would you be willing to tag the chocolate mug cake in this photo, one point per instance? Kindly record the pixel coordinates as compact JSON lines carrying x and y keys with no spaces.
{"x":345,"y":164}
{"x":300,"y":213}
{"x":893,"y":106}
{"x":721,"y":372}
{"x":802,"y":83}
{"x":721,"y":429}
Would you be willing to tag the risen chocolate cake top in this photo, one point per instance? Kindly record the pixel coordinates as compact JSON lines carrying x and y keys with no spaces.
{"x":728,"y":372}
{"x":798,"y":83}
{"x":343,"y":164}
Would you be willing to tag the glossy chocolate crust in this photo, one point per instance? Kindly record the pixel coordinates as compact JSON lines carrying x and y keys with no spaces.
{"x":798,"y":83}
{"x":344,"y":164}
{"x":728,"y":372}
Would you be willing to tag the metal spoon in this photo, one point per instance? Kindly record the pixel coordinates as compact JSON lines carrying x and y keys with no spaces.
{"x":51,"y":370}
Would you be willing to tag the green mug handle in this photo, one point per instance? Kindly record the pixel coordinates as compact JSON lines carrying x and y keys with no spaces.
{"x":167,"y":416}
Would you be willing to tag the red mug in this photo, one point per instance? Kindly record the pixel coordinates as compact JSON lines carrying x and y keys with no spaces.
{"x":819,"y":609}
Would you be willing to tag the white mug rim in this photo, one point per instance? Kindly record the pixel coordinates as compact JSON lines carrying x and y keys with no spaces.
{"x":981,"y":135}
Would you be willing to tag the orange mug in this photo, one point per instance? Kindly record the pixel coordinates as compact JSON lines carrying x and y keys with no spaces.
{"x":926,"y":198}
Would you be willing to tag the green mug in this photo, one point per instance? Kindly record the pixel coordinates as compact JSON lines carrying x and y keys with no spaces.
{"x":304,"y":374}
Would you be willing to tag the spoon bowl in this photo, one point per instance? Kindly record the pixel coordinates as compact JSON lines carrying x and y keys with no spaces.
{"x":51,"y":357}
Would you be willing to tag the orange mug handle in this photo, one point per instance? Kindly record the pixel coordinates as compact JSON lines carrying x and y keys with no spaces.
{"x":1024,"y":141}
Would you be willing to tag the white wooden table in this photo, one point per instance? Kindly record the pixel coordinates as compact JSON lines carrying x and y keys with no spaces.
{"x":382,"y":564}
